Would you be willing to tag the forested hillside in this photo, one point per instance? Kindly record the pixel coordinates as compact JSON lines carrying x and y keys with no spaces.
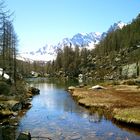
{"x":126,"y":38}
{"x":115,"y":57}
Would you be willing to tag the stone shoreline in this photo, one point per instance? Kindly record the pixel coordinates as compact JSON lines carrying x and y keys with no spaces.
{"x":11,"y":107}
{"x":120,"y":103}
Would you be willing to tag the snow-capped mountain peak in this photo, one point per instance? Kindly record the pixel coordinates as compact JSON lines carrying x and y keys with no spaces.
{"x":88,"y":40}
{"x":115,"y":26}
{"x":85,"y":39}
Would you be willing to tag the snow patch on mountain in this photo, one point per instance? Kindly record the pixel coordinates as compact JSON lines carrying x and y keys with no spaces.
{"x":46,"y":53}
{"x":115,"y":26}
{"x":87,"y":40}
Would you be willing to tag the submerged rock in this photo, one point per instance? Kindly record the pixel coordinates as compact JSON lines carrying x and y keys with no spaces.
{"x":24,"y":136}
{"x":75,"y":137}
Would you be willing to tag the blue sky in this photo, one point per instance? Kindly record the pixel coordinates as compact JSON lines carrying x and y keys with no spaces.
{"x":38,"y":22}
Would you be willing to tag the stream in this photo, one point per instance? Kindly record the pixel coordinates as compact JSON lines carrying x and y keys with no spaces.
{"x":55,"y":115}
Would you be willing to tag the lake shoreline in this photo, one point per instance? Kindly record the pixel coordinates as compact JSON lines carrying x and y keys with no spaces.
{"x":14,"y":106}
{"x":120,"y":103}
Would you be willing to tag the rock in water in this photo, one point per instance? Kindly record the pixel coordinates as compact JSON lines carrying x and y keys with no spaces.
{"x":24,"y":136}
{"x":17,"y":107}
{"x":34,"y":91}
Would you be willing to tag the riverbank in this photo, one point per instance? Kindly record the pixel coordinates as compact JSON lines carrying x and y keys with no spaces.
{"x":120,"y":102}
{"x":15,"y":103}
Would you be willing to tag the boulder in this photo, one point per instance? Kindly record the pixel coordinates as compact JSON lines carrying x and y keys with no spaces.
{"x":24,"y":136}
{"x":138,"y":80}
{"x":98,"y":87}
{"x":130,"y":70}
{"x":82,"y":85}
{"x":5,"y":123}
{"x":71,"y":88}
{"x":2,"y":106}
{"x":34,"y":91}
{"x":17,"y":106}
{"x":27,"y":105}
{"x":117,"y":59}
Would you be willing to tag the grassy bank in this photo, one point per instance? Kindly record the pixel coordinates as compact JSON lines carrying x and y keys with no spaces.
{"x":121,"y":102}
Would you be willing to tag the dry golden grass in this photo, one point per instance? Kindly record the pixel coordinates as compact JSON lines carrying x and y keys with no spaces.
{"x":5,"y":113}
{"x":123,"y":101}
{"x":129,"y":115}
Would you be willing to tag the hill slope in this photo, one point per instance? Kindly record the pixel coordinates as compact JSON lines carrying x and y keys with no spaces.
{"x":116,"y":56}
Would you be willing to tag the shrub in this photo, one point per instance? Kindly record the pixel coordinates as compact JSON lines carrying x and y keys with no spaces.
{"x":130,"y":82}
{"x":4,"y":88}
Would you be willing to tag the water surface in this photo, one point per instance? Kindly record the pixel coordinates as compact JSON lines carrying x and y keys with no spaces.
{"x":54,"y":114}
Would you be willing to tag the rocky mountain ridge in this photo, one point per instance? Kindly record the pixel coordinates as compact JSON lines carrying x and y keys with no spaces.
{"x":88,"y":40}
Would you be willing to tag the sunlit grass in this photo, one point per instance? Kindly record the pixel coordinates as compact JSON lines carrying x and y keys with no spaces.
{"x":129,"y":115}
{"x":122,"y":102}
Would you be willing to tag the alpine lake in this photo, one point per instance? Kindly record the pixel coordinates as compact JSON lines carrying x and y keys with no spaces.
{"x":56,"y":115}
